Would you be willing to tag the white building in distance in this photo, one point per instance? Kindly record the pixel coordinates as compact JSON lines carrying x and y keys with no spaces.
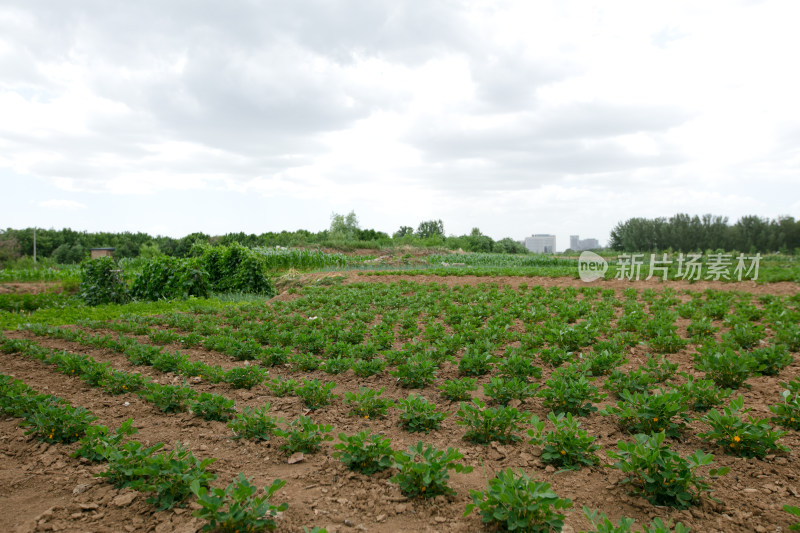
{"x":541,"y":243}
{"x":577,"y":244}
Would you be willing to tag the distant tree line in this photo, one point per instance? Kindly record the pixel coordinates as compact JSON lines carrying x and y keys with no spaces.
{"x":70,"y":246}
{"x":685,"y":233}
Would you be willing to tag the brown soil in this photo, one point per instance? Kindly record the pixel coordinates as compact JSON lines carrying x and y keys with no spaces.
{"x":46,"y":490}
{"x":30,"y":288}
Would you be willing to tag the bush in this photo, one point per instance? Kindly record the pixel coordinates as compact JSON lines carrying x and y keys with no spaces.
{"x":304,"y":435}
{"x":366,"y":403}
{"x":418,"y":371}
{"x":565,"y":446}
{"x":254,"y":423}
{"x":101,"y":282}
{"x":236,"y":508}
{"x":424,"y":471}
{"x":726,"y":368}
{"x":167,"y":278}
{"x":364,"y":452}
{"x":514,"y":502}
{"x":212,"y":406}
{"x":457,"y":390}
{"x":642,"y":412}
{"x":752,"y":438}
{"x":245,"y":377}
{"x":168,"y":398}
{"x":417,"y":414}
{"x":503,"y":390}
{"x":602,"y":524}
{"x":487,"y":424}
{"x":97,"y":439}
{"x":316,"y":394}
{"x":660,"y":474}
{"x":235,"y":268}
{"x":569,"y":391}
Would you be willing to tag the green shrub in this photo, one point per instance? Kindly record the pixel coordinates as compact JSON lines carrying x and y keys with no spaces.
{"x":659,"y":473}
{"x":487,"y":424}
{"x":475,"y":362}
{"x":417,"y":414}
{"x":642,"y":412}
{"x":366,"y":403}
{"x":212,"y":406}
{"x":770,"y":360}
{"x":168,"y":398}
{"x":282,"y":387}
{"x":565,"y":446}
{"x":364,"y":452}
{"x":702,"y":395}
{"x":457,"y":390}
{"x":254,"y":423}
{"x":116,"y":382}
{"x":245,"y":377}
{"x":236,"y":508}
{"x":316,"y":394}
{"x":726,"y":368}
{"x":304,"y":435}
{"x":416,"y":373}
{"x":752,"y":438}
{"x":503,"y":390}
{"x":167,"y":278}
{"x":53,"y":420}
{"x":601,"y":363}
{"x":365,"y":368}
{"x":235,"y":268}
{"x":601,"y":524}
{"x":101,"y":282}
{"x":97,"y":439}
{"x":570,"y":391}
{"x":514,"y":502}
{"x":555,"y":356}
{"x":519,"y":366}
{"x":424,"y":471}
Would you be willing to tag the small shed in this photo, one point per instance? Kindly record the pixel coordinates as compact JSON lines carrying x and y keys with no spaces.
{"x":102,"y":252}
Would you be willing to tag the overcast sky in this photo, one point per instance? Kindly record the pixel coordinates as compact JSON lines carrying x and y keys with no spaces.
{"x":174,"y":116}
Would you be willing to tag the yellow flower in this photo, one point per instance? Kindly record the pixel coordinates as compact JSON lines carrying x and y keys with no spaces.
{"x":737,"y":438}
{"x":655,"y":419}
{"x":563,"y":452}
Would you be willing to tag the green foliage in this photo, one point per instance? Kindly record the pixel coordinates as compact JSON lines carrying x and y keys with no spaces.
{"x":457,"y":390}
{"x":514,"y":502}
{"x":787,"y":414}
{"x":168,"y":398}
{"x":642,"y":412}
{"x":789,"y":334}
{"x":751,"y":438}
{"x":660,"y":474}
{"x":519,"y":366}
{"x":254,"y":423}
{"x":101,"y":282}
{"x":365,"y":368}
{"x":235,"y":268}
{"x":424,"y":470}
{"x":282,"y":387}
{"x":794,"y":511}
{"x":53,"y":420}
{"x":237,"y":508}
{"x":304,"y":435}
{"x":570,"y":391}
{"x":702,"y":395}
{"x":305,"y":362}
{"x":503,"y":390}
{"x":417,"y":414}
{"x":98,"y":439}
{"x":475,"y":362}
{"x":416,"y":373}
{"x":367,"y":404}
{"x":316,"y":394}
{"x":602,"y":524}
{"x":565,"y":446}
{"x":170,"y":476}
{"x":337,"y":365}
{"x":726,"y":368}
{"x":167,"y":278}
{"x":555,"y":356}
{"x":245,"y":377}
{"x":487,"y":424}
{"x":601,"y":363}
{"x":770,"y":360}
{"x":212,"y":406}
{"x":116,"y":382}
{"x":364,"y":452}
{"x":701,"y":329}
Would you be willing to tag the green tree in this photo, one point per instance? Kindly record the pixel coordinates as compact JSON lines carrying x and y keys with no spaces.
{"x":430,"y":228}
{"x":343,"y":227}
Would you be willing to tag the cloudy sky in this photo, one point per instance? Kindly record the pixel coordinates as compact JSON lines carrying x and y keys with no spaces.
{"x":174,"y":116}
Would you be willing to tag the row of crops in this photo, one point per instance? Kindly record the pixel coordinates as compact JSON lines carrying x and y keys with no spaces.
{"x":520,"y":367}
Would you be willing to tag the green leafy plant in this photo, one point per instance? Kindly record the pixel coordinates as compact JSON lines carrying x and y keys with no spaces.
{"x":98,"y":439}
{"x":337,"y":365}
{"x":787,"y":414}
{"x":365,"y":368}
{"x":367,"y":404}
{"x":168,"y":361}
{"x":424,"y":470}
{"x":794,"y":511}
{"x":570,"y":391}
{"x":519,"y":366}
{"x":602,"y":524}
{"x":168,"y":398}
{"x":304,"y":435}
{"x":601,"y":363}
{"x":555,"y":356}
{"x":316,"y":394}
{"x":418,"y":414}
{"x":514,"y":502}
{"x":701,"y":395}
{"x":212,"y":406}
{"x":254,"y":423}
{"x":457,"y":390}
{"x":661,"y":475}
{"x":237,"y":508}
{"x":487,"y":424}
{"x":305,"y":362}
{"x":245,"y":377}
{"x":643,"y":412}
{"x":364,"y":452}
{"x":101,"y":282}
{"x":170,"y":476}
{"x":116,"y":382}
{"x":418,"y":372}
{"x":165,"y":277}
{"x":751,"y":438}
{"x":51,"y":419}
{"x":475,"y":362}
{"x":770,"y":360}
{"x":503,"y":390}
{"x":565,"y":446}
{"x":726,"y":368}
{"x":282,"y":387}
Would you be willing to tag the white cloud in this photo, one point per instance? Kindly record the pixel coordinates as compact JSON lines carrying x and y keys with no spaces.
{"x":62,"y":204}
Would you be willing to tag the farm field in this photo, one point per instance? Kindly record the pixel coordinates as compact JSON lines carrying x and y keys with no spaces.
{"x":471,"y":363}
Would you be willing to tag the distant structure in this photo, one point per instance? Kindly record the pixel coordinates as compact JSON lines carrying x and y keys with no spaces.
{"x":102,"y":252}
{"x":577,"y":244}
{"x":541,"y":243}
